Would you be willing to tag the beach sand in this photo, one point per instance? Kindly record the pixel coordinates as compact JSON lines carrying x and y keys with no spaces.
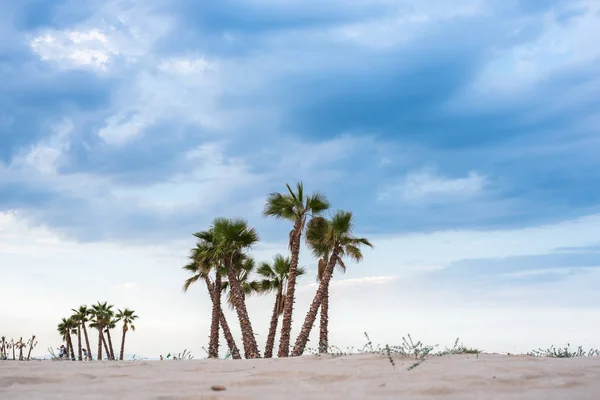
{"x":349,"y":377}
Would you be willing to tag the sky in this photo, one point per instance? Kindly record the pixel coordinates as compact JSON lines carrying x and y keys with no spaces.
{"x":463,"y":135}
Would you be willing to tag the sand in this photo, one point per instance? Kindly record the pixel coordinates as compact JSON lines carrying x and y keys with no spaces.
{"x":350,"y":377}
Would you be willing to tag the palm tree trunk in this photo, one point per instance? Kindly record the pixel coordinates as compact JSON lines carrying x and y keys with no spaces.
{"x":311,"y":316}
{"x":87,"y":341}
{"x":288,"y":309}
{"x":248,"y":339}
{"x":235,"y":352}
{"x":110,"y":345}
{"x":100,"y":342}
{"x":20,"y":353}
{"x":122,"y":345}
{"x":323,"y":332}
{"x":80,"y":354}
{"x":273,"y":326}
{"x":70,"y":345}
{"x":213,"y":344}
{"x":106,"y":350}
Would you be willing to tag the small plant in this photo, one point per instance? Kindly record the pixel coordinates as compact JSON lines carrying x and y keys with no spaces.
{"x":565,"y":352}
{"x":185,"y":355}
{"x":459,"y":348}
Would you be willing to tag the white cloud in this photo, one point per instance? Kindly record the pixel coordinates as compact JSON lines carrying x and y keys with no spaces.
{"x":72,"y":49}
{"x":120,"y":130}
{"x":366,"y":280}
{"x":429,"y":187}
{"x":563,"y":45}
{"x":45,"y":156}
{"x":186,"y":66}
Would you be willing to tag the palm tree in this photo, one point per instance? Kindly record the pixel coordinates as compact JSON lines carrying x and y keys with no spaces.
{"x":81,"y":315}
{"x":200,"y":273}
{"x":127,"y":316}
{"x":275,"y":278}
{"x":232,"y":238}
{"x":3,"y":343}
{"x":65,"y":327}
{"x":322,"y":248}
{"x":100,"y":318}
{"x":337,"y":235}
{"x":20,"y":345}
{"x":31,"y":343}
{"x":295,"y":207}
{"x":204,"y":261}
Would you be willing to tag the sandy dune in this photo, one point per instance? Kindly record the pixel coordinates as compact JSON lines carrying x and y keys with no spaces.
{"x":352,"y":377}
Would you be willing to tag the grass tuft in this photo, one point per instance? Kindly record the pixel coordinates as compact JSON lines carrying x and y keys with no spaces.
{"x":565,"y":352}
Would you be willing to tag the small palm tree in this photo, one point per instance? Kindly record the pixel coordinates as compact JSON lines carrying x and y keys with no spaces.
{"x":31,"y":343}
{"x":3,"y":344}
{"x":20,"y":345}
{"x":336,"y":235}
{"x":274,"y":278}
{"x":65,"y":328}
{"x":81,"y":315}
{"x":127,"y":316}
{"x":101,"y":315}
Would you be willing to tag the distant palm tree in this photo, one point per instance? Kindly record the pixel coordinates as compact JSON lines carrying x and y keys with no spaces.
{"x":293,"y":206}
{"x":3,"y":343}
{"x":20,"y":345}
{"x":31,"y":343}
{"x":81,"y":315}
{"x":65,"y":327}
{"x":100,"y":318}
{"x":337,"y":235}
{"x":274,"y":278}
{"x":127,"y":316}
{"x":234,"y":238}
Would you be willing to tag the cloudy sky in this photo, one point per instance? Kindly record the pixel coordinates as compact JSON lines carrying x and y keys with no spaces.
{"x":464,"y":136}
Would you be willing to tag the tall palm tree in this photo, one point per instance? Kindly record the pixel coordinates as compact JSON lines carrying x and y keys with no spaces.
{"x":81,"y":315}
{"x":337,"y":235}
{"x":65,"y":327}
{"x":233,"y":238}
{"x":200,"y":273}
{"x":274,"y":278}
{"x":295,"y":207}
{"x":127,"y":316}
{"x":100,"y":318}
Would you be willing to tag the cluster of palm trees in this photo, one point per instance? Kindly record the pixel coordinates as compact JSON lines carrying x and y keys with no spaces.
{"x":101,"y":317}
{"x":222,"y":261}
{"x":7,"y":345}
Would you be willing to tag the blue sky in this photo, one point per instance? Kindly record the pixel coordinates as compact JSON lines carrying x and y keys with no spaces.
{"x":463,"y":134}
